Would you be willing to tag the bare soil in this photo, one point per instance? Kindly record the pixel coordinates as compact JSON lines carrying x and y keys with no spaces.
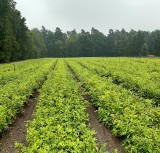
{"x":103,"y":134}
{"x":17,"y":131}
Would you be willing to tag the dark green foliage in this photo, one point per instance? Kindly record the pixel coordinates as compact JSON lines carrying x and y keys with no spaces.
{"x":116,"y":43}
{"x":55,"y":42}
{"x":16,"y":41}
{"x":157,"y":43}
{"x":71,"y":44}
{"x":39,"y":47}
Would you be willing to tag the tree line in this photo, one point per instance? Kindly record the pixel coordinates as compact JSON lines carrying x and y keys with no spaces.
{"x":17,"y":42}
{"x":95,"y":43}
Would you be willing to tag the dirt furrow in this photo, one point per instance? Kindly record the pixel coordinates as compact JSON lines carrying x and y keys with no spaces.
{"x":103,"y":133}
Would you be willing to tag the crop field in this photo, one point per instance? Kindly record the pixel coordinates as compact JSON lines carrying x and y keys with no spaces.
{"x":124,"y":91}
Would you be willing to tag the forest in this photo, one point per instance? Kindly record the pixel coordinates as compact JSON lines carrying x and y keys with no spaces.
{"x":18,"y":42}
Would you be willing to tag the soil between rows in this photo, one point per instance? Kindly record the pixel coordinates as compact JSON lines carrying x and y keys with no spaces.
{"x":103,"y":134}
{"x":17,"y":131}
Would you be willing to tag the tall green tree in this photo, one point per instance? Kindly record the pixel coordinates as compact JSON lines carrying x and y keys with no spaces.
{"x":99,"y":43}
{"x":39,"y":44}
{"x":59,"y":43}
{"x":12,"y":32}
{"x":85,"y":44}
{"x":48,"y":37}
{"x":8,"y":42}
{"x":157,"y":44}
{"x":71,"y":44}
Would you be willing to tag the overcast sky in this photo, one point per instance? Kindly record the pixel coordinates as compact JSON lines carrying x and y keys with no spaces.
{"x":85,"y":14}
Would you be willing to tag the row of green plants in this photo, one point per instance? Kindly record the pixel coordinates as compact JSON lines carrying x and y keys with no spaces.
{"x":140,"y":75}
{"x":60,"y":119}
{"x":7,"y":67}
{"x":14,"y":71}
{"x":14,"y":94}
{"x":131,"y":118}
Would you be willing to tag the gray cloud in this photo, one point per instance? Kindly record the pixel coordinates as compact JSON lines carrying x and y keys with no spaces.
{"x":101,"y":14}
